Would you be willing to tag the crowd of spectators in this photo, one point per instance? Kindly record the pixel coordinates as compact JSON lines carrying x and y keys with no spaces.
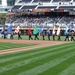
{"x":39,"y":21}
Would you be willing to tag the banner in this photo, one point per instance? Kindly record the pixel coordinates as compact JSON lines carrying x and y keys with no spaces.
{"x":41,"y":29}
{"x":9,"y":30}
{"x":35,"y":31}
{"x":17,"y":30}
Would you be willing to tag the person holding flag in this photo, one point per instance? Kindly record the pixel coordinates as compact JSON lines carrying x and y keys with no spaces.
{"x":67,"y":32}
{"x":58,"y":33}
{"x":29,"y":33}
{"x":35,"y":32}
{"x":54,"y":33}
{"x":42,"y":32}
{"x":19,"y":35}
{"x":48,"y":33}
{"x":43,"y":35}
{"x":72,"y":35}
{"x":2,"y":32}
{"x":41,"y":29}
{"x":17,"y":29}
{"x":9,"y":30}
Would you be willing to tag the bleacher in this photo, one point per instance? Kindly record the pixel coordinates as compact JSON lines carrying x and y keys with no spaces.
{"x":56,"y":0}
{"x":62,"y":4}
{"x":28,"y":7}
{"x":16,"y":7}
{"x":45,"y":0}
{"x":35,"y":1}
{"x":26,"y":1}
{"x":53,"y":5}
{"x":66,"y":7}
{"x":61,"y":0}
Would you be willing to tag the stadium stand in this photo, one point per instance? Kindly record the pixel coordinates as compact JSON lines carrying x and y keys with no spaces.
{"x":26,"y":1}
{"x":28,"y":7}
{"x":39,"y":21}
{"x":41,"y":0}
{"x":66,"y":7}
{"x":16,"y":7}
{"x":35,"y":1}
{"x":59,"y":13}
{"x":51,"y":7}
{"x":61,"y":0}
{"x":56,"y":0}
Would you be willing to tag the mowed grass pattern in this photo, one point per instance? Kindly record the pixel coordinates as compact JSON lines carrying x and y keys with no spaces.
{"x":54,"y":60}
{"x":4,"y":45}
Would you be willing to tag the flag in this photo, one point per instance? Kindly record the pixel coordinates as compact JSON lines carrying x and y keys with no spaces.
{"x":35,"y":31}
{"x":67,"y":30}
{"x":71,"y":28}
{"x":29,"y":31}
{"x":41,"y":29}
{"x":74,"y":29}
{"x":9,"y":30}
{"x":48,"y":31}
{"x":54,"y":30}
{"x":17,"y":30}
{"x":58,"y":31}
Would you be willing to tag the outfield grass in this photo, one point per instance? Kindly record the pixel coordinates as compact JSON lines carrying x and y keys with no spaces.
{"x":4,"y":46}
{"x":54,"y":60}
{"x":25,"y":37}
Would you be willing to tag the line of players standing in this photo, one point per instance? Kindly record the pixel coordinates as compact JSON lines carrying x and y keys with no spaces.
{"x":43,"y":35}
{"x":11,"y":35}
{"x":49,"y":34}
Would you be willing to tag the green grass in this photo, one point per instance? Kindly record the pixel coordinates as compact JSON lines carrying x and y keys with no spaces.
{"x":25,"y":37}
{"x":54,"y":60}
{"x":4,"y":46}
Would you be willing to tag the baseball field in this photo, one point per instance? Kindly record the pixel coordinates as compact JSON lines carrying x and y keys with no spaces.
{"x":30,"y":57}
